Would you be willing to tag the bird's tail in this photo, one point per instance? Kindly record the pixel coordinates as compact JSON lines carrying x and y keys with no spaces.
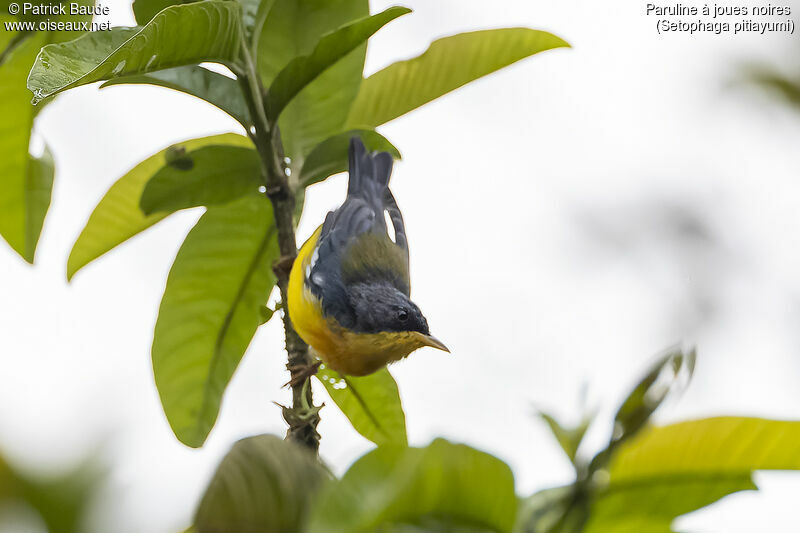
{"x":369,"y":181}
{"x":369,"y":173}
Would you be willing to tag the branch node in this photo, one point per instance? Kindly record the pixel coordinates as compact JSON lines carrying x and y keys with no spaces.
{"x":301,"y":372}
{"x":283,"y":266}
{"x":302,"y":425}
{"x":277,"y":192}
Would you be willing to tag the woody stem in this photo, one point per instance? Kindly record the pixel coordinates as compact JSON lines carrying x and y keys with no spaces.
{"x":302,"y":417}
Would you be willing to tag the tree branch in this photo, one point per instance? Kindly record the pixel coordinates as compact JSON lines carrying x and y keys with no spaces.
{"x":302,"y":417}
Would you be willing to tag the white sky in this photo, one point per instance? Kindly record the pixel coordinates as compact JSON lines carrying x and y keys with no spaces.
{"x":538,"y":203}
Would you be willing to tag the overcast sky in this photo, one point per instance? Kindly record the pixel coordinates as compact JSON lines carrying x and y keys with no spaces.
{"x":568,"y":217}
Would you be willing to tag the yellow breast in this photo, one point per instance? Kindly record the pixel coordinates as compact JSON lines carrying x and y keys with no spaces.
{"x":347,"y":352}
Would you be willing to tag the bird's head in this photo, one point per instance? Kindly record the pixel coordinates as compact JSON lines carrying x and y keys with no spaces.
{"x":380,"y":307}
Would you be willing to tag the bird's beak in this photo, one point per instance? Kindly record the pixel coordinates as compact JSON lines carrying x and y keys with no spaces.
{"x":433,"y":342}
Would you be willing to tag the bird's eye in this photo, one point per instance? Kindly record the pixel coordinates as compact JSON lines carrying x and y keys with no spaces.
{"x":402,"y":315}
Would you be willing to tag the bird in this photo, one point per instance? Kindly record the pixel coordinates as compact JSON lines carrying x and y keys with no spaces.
{"x":349,"y":286}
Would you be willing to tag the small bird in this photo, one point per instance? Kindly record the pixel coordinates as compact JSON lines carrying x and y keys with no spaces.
{"x":349,"y":286}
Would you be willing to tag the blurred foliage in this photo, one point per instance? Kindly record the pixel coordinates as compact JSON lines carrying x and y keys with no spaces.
{"x":263,"y":484}
{"x":774,"y":81}
{"x":396,"y":488}
{"x":569,"y":438}
{"x":566,"y":509}
{"x":647,"y":476}
{"x":644,"y":478}
{"x":669,"y":471}
{"x":269,"y":485}
{"x":61,"y":501}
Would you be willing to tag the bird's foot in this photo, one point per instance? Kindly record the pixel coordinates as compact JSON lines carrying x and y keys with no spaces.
{"x":301,"y":373}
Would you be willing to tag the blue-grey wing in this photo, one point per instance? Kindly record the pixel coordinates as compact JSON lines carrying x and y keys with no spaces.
{"x":368,"y":198}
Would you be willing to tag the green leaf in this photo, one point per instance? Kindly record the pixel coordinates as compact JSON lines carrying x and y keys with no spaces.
{"x":221,"y":278}
{"x":253,"y":12}
{"x":371,"y":403}
{"x":259,"y":17}
{"x":11,"y":41}
{"x":292,"y":29}
{"x":448,"y":64}
{"x":330,"y":156}
{"x":208,"y":31}
{"x":263,"y":485}
{"x":730,"y":445}
{"x":38,"y":188}
{"x":331,"y":48}
{"x":215,"y":174}
{"x":568,"y":438}
{"x":23,"y":179}
{"x":661,"y":379}
{"x":670,"y":372}
{"x":669,"y":471}
{"x":659,"y":505}
{"x":70,"y":25}
{"x":145,"y":10}
{"x":266,"y":314}
{"x":216,"y":89}
{"x":117,"y":217}
{"x":393,"y":486}
{"x":71,"y":22}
